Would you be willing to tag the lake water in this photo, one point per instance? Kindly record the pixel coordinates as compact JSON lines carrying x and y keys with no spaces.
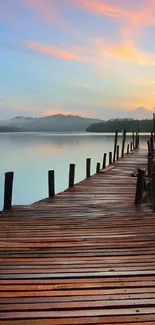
{"x":31,"y":155}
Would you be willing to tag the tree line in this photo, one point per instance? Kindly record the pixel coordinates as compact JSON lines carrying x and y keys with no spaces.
{"x":130,"y":125}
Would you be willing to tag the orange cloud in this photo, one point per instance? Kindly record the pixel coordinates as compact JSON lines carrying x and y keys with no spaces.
{"x":98,"y":53}
{"x":125,"y":51}
{"x":52,"y":51}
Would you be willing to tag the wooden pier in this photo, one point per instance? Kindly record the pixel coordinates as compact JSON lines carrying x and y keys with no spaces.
{"x":85,"y":256}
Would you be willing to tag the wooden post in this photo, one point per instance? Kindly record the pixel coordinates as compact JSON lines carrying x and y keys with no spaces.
{"x":133,"y":140}
{"x":98,"y":168}
{"x":136,"y":141}
{"x":123,"y":143}
{"x":128,"y":149}
{"x":140,"y":186}
{"x":115,"y":146}
{"x":88,"y":167}
{"x":110,"y":158}
{"x":149,"y":147}
{"x":51,"y":183}
{"x":153,"y":189}
{"x":117,"y":152}
{"x":131,"y":146}
{"x":150,"y":162}
{"x":71,"y":175}
{"x":104,"y":161}
{"x":152,"y":146}
{"x":8,"y":188}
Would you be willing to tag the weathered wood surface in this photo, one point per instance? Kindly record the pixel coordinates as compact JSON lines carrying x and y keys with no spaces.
{"x":86,"y":256}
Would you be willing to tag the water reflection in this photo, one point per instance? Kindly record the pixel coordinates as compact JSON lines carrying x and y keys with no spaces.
{"x":31,"y":155}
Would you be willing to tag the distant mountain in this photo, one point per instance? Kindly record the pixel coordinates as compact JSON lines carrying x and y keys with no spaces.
{"x":19,"y":121}
{"x":7,"y":128}
{"x":54,"y":123}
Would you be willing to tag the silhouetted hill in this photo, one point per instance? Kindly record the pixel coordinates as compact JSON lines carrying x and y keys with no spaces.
{"x":7,"y":128}
{"x":118,"y":124}
{"x":54,"y":123}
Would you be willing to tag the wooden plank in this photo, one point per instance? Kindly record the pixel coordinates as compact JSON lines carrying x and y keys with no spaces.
{"x":117,"y":320}
{"x":78,"y":313}
{"x":86,"y":256}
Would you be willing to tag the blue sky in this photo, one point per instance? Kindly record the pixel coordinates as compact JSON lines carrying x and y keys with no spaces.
{"x":86,"y":57}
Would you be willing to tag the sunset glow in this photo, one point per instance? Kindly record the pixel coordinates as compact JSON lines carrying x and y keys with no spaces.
{"x":85,"y":57}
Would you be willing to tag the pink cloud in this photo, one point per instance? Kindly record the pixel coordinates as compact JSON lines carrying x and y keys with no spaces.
{"x":47,"y":10}
{"x":142,"y":14}
{"x":132,"y":19}
{"x":52,"y":51}
{"x":103,"y":8}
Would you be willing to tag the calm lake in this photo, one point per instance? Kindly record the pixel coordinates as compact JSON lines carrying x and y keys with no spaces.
{"x":31,"y":155}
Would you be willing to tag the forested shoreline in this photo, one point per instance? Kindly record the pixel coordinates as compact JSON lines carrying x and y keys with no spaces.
{"x":119,"y":124}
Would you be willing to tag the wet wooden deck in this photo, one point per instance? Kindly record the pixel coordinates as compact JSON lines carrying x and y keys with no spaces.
{"x":85,"y":257}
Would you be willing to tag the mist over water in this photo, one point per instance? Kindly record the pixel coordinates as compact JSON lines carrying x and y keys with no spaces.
{"x":31,"y":155}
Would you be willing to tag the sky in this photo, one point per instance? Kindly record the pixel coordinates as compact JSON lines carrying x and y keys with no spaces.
{"x":94,"y":58}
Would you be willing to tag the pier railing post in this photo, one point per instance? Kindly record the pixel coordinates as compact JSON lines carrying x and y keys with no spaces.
{"x":138,"y":140}
{"x":117,"y":152}
{"x":8,"y":188}
{"x":110,"y":158}
{"x":88,"y":167}
{"x":136,"y":146}
{"x":98,"y":167}
{"x":104,"y":161}
{"x":71,"y":175}
{"x":131,"y":146}
{"x":115,"y":146}
{"x":51,"y":183}
{"x":149,"y":147}
{"x":123,"y":142}
{"x":152,"y":146}
{"x":150,"y":163}
{"x":133,"y":140}
{"x":128,"y":149}
{"x":140,"y":186}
